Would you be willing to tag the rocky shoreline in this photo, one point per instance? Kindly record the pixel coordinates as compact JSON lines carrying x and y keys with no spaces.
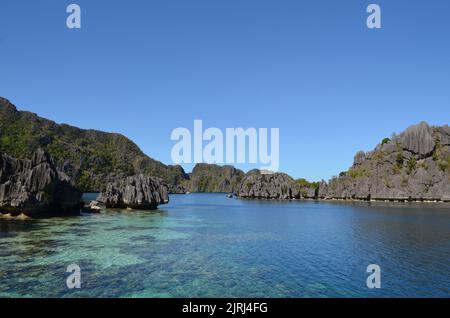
{"x":413,"y":166}
{"x":56,"y":163}
{"x":348,"y":200}
{"x":36,"y":187}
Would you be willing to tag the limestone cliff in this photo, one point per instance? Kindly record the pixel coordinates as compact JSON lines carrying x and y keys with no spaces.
{"x":414,"y":165}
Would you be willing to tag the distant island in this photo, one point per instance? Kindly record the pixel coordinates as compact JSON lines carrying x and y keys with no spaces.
{"x":46,"y":166}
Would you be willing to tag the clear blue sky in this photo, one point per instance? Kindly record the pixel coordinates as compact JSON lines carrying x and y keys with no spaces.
{"x":311,"y":68}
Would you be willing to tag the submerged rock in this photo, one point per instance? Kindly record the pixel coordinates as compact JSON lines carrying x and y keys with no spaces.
{"x":93,"y":207}
{"x":34,"y":185}
{"x":135,"y":192}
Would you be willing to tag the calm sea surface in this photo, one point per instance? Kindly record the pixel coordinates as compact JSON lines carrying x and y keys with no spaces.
{"x":206,"y":245}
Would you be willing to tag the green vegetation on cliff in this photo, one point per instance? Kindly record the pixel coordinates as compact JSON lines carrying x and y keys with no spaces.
{"x":90,"y":157}
{"x":413,"y":165}
{"x":303,"y":183}
{"x":214,"y":178}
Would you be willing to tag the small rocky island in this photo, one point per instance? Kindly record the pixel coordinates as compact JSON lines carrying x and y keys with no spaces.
{"x":135,"y":192}
{"x":277,"y":186}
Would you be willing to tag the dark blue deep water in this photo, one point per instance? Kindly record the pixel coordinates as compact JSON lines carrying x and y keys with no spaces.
{"x":206,"y":245}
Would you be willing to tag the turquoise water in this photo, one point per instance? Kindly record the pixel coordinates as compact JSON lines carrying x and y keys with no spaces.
{"x":206,"y":245}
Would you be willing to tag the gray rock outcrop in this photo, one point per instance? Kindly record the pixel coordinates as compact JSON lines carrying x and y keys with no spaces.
{"x":177,"y":189}
{"x":323,"y":190}
{"x":418,"y":139}
{"x":135,"y":192}
{"x":268,"y":186}
{"x":32,"y":186}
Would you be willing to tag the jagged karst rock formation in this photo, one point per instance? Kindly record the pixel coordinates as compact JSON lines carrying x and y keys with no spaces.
{"x":279,"y":186}
{"x":135,"y":192}
{"x":33,"y":186}
{"x":268,"y":186}
{"x":414,"y":165}
{"x":418,"y":140}
{"x":90,"y":158}
{"x":322,"y":191}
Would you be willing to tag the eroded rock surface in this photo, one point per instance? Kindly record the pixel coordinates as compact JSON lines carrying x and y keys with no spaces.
{"x":35,"y":185}
{"x":135,"y":192}
{"x":268,"y":186}
{"x":414,"y":165}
